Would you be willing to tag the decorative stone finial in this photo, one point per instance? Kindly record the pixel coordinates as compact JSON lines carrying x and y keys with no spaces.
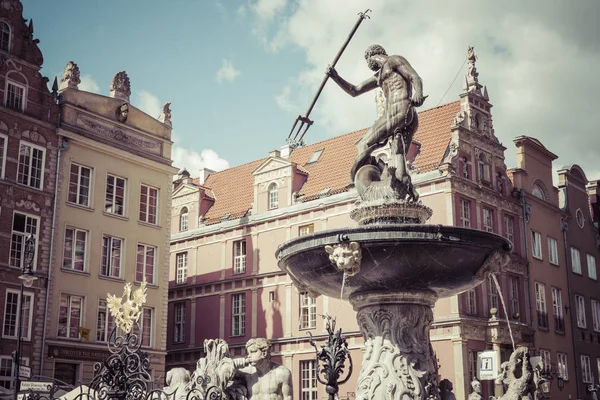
{"x":70,"y":78}
{"x":165,"y":116}
{"x":120,"y":88}
{"x":127,"y":310}
{"x":472,"y":74}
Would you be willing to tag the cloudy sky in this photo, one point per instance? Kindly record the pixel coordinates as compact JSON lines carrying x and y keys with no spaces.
{"x":238,"y":71}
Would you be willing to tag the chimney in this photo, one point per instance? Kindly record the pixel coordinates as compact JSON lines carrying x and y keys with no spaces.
{"x":286,"y":150}
{"x":204,"y":173}
{"x":274,"y":153}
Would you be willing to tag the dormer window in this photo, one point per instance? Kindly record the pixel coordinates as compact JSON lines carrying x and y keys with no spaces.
{"x":15,"y":96}
{"x":315,"y":156}
{"x":4,"y":36}
{"x":273,"y":196}
{"x":183,"y":219}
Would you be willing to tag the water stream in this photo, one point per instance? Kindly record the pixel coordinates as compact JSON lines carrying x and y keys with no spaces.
{"x":512,"y":339}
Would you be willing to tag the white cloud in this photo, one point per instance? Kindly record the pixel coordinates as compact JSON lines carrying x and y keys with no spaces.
{"x":227,"y":72}
{"x":194,"y":161}
{"x":538,"y":62}
{"x":88,"y":84}
{"x":148,"y":103}
{"x":283,"y":100}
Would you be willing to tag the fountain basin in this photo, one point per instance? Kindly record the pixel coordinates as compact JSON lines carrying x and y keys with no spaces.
{"x":396,"y":257}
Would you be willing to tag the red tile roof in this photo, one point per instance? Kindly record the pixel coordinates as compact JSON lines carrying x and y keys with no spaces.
{"x":233,"y":188}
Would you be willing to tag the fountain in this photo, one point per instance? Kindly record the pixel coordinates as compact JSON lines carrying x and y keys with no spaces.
{"x":399,"y":265}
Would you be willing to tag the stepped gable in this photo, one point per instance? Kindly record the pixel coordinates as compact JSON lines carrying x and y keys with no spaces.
{"x":233,"y":188}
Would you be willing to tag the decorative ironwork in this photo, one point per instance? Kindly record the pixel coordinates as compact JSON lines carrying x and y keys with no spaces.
{"x":332,"y":358}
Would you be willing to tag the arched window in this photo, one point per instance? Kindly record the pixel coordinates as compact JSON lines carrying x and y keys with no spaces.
{"x":4,"y":36}
{"x":273,"y":196}
{"x":183,"y":219}
{"x":538,"y":192}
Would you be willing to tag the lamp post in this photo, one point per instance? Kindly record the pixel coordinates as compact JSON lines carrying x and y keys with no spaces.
{"x":27,"y":277}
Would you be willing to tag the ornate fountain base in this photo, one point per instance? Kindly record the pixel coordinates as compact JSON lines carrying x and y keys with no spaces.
{"x":399,"y":360}
{"x":390,"y":212}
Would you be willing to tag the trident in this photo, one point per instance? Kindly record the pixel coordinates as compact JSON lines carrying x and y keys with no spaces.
{"x":306,"y":122}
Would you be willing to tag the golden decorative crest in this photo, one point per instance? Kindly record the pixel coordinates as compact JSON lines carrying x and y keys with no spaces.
{"x":126,"y":310}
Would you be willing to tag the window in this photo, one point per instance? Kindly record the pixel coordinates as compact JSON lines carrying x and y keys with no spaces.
{"x":586,"y":369}
{"x":273,"y":196}
{"x":465,"y":213}
{"x":15,"y":96}
{"x":181,"y":261}
{"x":4,"y":36}
{"x":238,"y":314}
{"x":557,"y":308}
{"x":239,"y":256}
{"x":546,"y":358}
{"x":596,"y":315}
{"x":552,"y":251}
{"x":74,"y":250}
{"x":471,"y":302}
{"x":7,"y":376}
{"x":111,"y":256}
{"x":23,"y":226}
{"x":493,"y":294}
{"x":315,"y":156}
{"x":179,"y":333}
{"x":105,"y":322}
{"x":509,"y":228}
{"x":146,"y":256}
{"x":308,"y":380}
{"x":513,"y":283}
{"x":12,"y":309}
{"x":538,"y":192}
{"x":31,"y":165}
{"x":473,"y":360}
{"x":488,"y":220}
{"x":563,"y":371}
{"x":591,"y":264}
{"x":115,"y":195}
{"x":70,"y":316}
{"x":183,"y":220}
{"x":149,"y":205}
{"x":580,"y":311}
{"x":536,"y":245}
{"x":575,"y":261}
{"x":308,"y":312}
{"x":579,"y":218}
{"x":306,"y":229}
{"x":540,"y":301}
{"x":484,"y":169}
{"x":146,"y":326}
{"x":3,"y":146}
{"x":79,"y":185}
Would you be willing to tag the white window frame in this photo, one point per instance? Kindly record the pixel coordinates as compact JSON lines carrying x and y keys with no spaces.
{"x":514,"y":286}
{"x":147,"y":341}
{"x":557,"y":308}
{"x":575,"y":261}
{"x":493,"y":297}
{"x":23,"y":237}
{"x":536,"y":245}
{"x":146,"y":211}
{"x":580,"y":311}
{"x":20,"y":86}
{"x":184,"y":220}
{"x":488,"y":219}
{"x":110,"y":199}
{"x":308,"y":311}
{"x":586,"y":369}
{"x":10,"y":379}
{"x":540,"y":304}
{"x":308,"y":380}
{"x":562,"y":364}
{"x":73,"y":250}
{"x":145,"y":248}
{"x":32,"y":147}
{"x":552,"y":251}
{"x":465,"y":213}
{"x":179,"y":322}
{"x":3,"y":149}
{"x":546,"y":357}
{"x":239,"y":256}
{"x":80,"y":200}
{"x":596,"y":315}
{"x":509,"y":228}
{"x":106,"y":269}
{"x":70,"y":298}
{"x":273,"y":194}
{"x":591,"y":265}
{"x":24,"y":335}
{"x":471,"y":302}
{"x":307,"y":229}
{"x":107,"y":321}
{"x":181,"y":263}
{"x":238,"y":314}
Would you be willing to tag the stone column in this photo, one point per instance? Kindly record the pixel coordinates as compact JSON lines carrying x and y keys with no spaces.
{"x":399,"y":360}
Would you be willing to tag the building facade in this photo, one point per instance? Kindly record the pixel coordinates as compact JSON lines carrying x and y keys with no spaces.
{"x":112,"y":225}
{"x":227,"y":225}
{"x":28,"y":157}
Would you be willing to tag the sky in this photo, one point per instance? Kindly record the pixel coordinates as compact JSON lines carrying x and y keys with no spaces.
{"x":238,"y":72}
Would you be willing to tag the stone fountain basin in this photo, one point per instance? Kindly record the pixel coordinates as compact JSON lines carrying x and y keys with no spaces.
{"x":395,"y":257}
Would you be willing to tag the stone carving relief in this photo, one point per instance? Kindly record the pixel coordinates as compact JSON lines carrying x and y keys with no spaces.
{"x":494,"y":263}
{"x":346,"y":257}
{"x":120,"y":86}
{"x":165,"y":116}
{"x":70,"y":78}
{"x":122,"y":112}
{"x":28,"y":205}
{"x":459,"y":120}
{"x":33,"y":136}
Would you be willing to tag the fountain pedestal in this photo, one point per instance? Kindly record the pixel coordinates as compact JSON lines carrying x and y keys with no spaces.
{"x":399,"y":359}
